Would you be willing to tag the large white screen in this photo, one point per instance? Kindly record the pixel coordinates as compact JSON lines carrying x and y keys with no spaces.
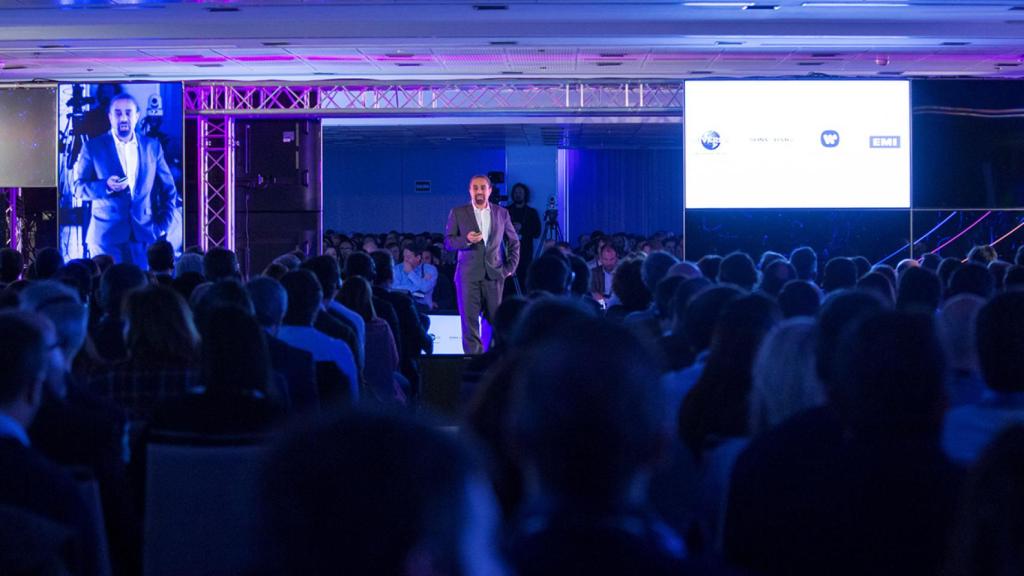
{"x":797,"y":144}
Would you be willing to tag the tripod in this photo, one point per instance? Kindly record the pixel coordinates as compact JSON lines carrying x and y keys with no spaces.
{"x":552,"y":230}
{"x":78,"y":210}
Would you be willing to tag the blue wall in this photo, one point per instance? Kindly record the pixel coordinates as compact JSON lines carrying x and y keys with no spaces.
{"x":372,"y":189}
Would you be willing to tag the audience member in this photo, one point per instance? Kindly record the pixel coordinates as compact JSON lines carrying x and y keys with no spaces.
{"x":776,"y":275}
{"x":371,"y":494}
{"x":805,"y":260}
{"x":414,"y":338}
{"x":931,"y":261}
{"x":982,"y":254}
{"x":946,"y":269}
{"x":548,"y":275}
{"x":767,"y":257}
{"x":48,"y":261}
{"x":1014,"y":279}
{"x":997,"y":269}
{"x":839,"y":273}
{"x":904,"y":265}
{"x":381,"y":353}
{"x":160,"y":257}
{"x":417,"y":277}
{"x":919,"y":290}
{"x":709,"y":266}
{"x":957,"y":321}
{"x":588,"y":426}
{"x":863,"y":265}
{"x":879,"y":284}
{"x":334,"y":318}
{"x":738,"y":269}
{"x":188,"y":263}
{"x":12,"y":264}
{"x":304,"y":302}
{"x":295,"y":365}
{"x":162,"y":344}
{"x":799,"y":298}
{"x":684,"y":269}
{"x":220,"y":264}
{"x":629,"y":289}
{"x":971,"y":278}
{"x":116,"y":284}
{"x":785,"y":379}
{"x":601,"y":275}
{"x":1000,"y":346}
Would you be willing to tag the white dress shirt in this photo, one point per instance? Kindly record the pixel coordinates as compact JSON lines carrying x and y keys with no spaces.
{"x":483,"y":221}
{"x":128,"y":154}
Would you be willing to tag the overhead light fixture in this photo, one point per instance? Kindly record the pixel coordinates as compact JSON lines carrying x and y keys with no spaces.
{"x":762,"y":7}
{"x":855,"y":4}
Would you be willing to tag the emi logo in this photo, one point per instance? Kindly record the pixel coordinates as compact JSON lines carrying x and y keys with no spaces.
{"x":830,"y":138}
{"x":885,"y":141}
{"x":710,"y":140}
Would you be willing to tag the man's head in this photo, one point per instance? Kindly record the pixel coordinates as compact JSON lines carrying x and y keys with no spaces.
{"x":839,"y":273}
{"x":23,"y":353}
{"x":548,"y":274}
{"x":374,"y":494}
{"x":656,"y":267}
{"x":220,"y":264}
{"x":11,"y":265}
{"x":327,"y":273}
{"x":520,"y":194}
{"x":609,"y":258}
{"x":116,"y":283}
{"x":805,"y":260}
{"x":360,"y":264}
{"x":304,"y":297}
{"x":587,"y":418}
{"x":738,"y":269}
{"x":842,"y":309}
{"x":971,"y":278}
{"x":123,"y":113}
{"x":1000,"y":341}
{"x":160,"y":256}
{"x":411,"y":256}
{"x":479,"y":190}
{"x":60,"y":303}
{"x":799,"y":298}
{"x":270,"y":301}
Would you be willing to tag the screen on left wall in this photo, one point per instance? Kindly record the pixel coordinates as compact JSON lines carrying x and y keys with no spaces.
{"x":119,"y":169}
{"x":27,"y":136}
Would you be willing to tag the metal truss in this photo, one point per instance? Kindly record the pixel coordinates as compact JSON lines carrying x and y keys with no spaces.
{"x":11,"y":216}
{"x":216,"y":182}
{"x":382,"y":99}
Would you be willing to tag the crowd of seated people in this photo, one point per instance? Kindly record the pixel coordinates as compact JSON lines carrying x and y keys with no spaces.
{"x":636,"y":413}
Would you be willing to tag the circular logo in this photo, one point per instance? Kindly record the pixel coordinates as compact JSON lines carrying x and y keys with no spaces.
{"x":710,"y":140}
{"x":830,"y":138}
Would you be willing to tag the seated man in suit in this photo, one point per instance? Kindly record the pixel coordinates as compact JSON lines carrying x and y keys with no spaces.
{"x":601,"y":275}
{"x":124,"y":174}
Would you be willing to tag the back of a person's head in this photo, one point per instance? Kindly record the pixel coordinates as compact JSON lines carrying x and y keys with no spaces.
{"x":785,"y":378}
{"x":664,"y":296}
{"x":580,"y":276}
{"x":799,"y":298}
{"x":1000,"y":342}
{"x":1018,"y":258}
{"x":224,"y":293}
{"x":997,"y":269}
{"x":23,"y":350}
{"x":775,"y":275}
{"x":103,"y":262}
{"x":879,"y":284}
{"x":61,"y":304}
{"x":304,"y":297}
{"x":709,"y":266}
{"x":374,"y":494}
{"x":957,"y":322}
{"x":839,"y":273}
{"x":946,"y":269}
{"x":718,"y":404}
{"x":767,"y":257}
{"x":234,"y":353}
{"x":12,"y":263}
{"x":506,"y":319}
{"x":892,"y":372}
{"x":805,"y":260}
{"x":840,"y":310}
{"x":545,"y":314}
{"x":685,"y":292}
{"x":628,"y":285}
{"x":360,"y":264}
{"x":863,"y":265}
{"x":1014,"y":279}
{"x":655,"y":267}
{"x":989,"y":535}
{"x":684,"y":269}
{"x":931,"y":261}
{"x":971,"y":278}
{"x":269,"y":300}
{"x":160,"y":326}
{"x":160,"y":256}
{"x":76,"y":275}
{"x":327,"y":272}
{"x":888,"y":271}
{"x":48,"y":261}
{"x":186,"y":283}
{"x":357,"y":295}
{"x":588,"y":411}
{"x":385,"y":266}
{"x":548,"y":274}
{"x":982,"y":254}
{"x":118,"y":281}
{"x":703,"y":312}
{"x":220,"y":264}
{"x":739,"y":270}
{"x":189,"y":263}
{"x":920,"y":289}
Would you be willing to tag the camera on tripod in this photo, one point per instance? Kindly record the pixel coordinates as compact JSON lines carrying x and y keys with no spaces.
{"x":551,"y":214}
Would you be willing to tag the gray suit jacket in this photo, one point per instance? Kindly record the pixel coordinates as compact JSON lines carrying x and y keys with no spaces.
{"x":482,"y":260}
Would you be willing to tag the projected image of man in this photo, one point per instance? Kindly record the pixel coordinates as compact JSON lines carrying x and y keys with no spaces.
{"x":130,"y":185}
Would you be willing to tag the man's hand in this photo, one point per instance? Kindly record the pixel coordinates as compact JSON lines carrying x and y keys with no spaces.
{"x":474,"y":237}
{"x":117,"y":184}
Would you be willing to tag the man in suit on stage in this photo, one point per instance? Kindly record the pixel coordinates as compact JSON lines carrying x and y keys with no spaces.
{"x":488,"y":247}
{"x":134,"y":199}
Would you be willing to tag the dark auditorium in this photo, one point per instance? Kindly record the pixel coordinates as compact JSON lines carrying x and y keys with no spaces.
{"x":511,"y":288}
